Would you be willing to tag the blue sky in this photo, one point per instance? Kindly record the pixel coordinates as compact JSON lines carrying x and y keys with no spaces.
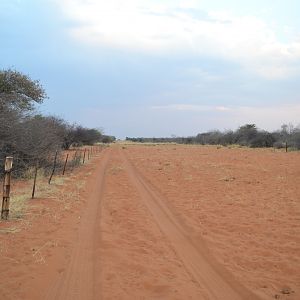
{"x":159,"y":68}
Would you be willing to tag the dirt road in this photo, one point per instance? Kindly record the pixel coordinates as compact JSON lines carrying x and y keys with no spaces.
{"x":204,"y":270}
{"x":79,"y":279}
{"x":123,"y":240}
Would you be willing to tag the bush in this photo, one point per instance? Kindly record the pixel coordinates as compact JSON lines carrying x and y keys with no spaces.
{"x":262,"y":139}
{"x":29,"y":137}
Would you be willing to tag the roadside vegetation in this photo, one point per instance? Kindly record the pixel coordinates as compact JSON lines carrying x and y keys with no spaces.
{"x":29,"y":136}
{"x":248,"y":135}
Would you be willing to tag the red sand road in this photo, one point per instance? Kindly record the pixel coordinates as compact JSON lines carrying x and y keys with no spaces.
{"x":162,"y":222}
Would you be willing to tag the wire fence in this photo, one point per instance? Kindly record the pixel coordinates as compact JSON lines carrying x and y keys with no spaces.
{"x":48,"y":166}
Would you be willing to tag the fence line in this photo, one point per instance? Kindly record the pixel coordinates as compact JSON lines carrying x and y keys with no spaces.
{"x":58,"y":163}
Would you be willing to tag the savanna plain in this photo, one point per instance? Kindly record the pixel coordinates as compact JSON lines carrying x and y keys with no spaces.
{"x":160,"y":221}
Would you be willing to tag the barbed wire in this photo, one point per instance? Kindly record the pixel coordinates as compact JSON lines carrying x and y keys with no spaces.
{"x":24,"y":164}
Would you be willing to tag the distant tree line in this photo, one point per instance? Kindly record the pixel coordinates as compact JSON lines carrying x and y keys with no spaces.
{"x":29,"y":136}
{"x":247,"y":135}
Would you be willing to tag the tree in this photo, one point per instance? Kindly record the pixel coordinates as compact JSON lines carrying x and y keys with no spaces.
{"x":262,"y":139}
{"x":39,"y":136}
{"x":107,"y":139}
{"x":246,"y":133}
{"x":19,"y":91}
{"x":86,"y":136}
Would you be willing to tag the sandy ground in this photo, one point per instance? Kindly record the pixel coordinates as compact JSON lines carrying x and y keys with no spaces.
{"x":161,"y":222}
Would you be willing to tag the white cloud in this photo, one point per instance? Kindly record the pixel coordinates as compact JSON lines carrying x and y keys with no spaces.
{"x":181,"y":27}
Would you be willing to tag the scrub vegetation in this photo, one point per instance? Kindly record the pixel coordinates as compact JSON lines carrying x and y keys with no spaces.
{"x":29,"y":136}
{"x":248,"y":135}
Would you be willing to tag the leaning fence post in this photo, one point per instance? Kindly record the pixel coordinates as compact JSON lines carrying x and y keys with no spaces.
{"x":65,"y":164}
{"x":54,"y":166}
{"x":34,"y":181}
{"x":6,"y":187}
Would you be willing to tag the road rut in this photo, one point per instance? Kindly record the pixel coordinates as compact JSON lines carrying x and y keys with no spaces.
{"x":210,"y":276}
{"x":78,"y":280}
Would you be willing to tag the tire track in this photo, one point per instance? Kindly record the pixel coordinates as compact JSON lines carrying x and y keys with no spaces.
{"x":78,"y":280}
{"x":216,"y":281}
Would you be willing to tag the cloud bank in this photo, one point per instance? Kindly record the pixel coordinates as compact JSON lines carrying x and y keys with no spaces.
{"x":174,"y":28}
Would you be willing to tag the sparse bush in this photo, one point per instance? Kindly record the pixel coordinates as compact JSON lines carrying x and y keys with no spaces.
{"x":33,"y":137}
{"x":85,"y":136}
{"x":262,"y":139}
{"x":247,"y":135}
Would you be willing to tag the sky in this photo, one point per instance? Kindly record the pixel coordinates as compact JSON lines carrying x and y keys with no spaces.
{"x":159,"y":68}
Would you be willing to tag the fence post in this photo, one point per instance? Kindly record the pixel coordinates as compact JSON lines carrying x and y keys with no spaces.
{"x":54,"y":166}
{"x":65,"y":164}
{"x":34,"y":181}
{"x":83,"y":160}
{"x":74,"y":159}
{"x":80,"y":154}
{"x":286,"y":147}
{"x":6,"y":187}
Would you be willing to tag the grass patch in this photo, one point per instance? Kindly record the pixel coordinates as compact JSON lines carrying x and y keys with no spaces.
{"x":58,"y":180}
{"x":115,"y":170}
{"x":18,"y":204}
{"x":10,"y":230}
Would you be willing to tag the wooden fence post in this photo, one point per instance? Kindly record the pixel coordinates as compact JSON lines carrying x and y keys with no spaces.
{"x":65,"y":164}
{"x":80,"y":154}
{"x":34,"y":181}
{"x":74,"y":159}
{"x":54,"y":166}
{"x":6,"y":187}
{"x":83,"y":160}
{"x":286,"y":147}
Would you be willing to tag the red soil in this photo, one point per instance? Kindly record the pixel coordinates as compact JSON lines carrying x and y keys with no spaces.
{"x":161,"y":222}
